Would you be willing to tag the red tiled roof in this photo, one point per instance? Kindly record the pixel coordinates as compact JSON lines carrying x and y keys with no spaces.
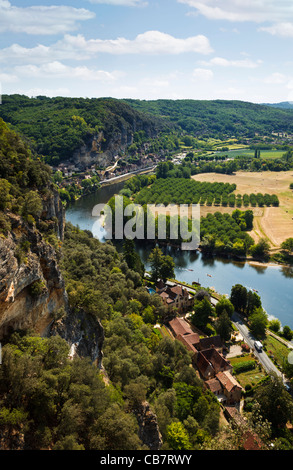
{"x":214,"y":385}
{"x":190,"y":341}
{"x":227,"y":380}
{"x":180,"y":326}
{"x":211,"y":357}
{"x":211,"y":342}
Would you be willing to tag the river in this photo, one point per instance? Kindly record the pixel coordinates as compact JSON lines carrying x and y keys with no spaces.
{"x":274,"y":284}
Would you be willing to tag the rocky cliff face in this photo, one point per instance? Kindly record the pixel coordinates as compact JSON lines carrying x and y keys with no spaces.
{"x":149,"y":432}
{"x":32,"y":289}
{"x":31,"y":284}
{"x":54,"y":212}
{"x":83,"y":332}
{"x":101,"y":148}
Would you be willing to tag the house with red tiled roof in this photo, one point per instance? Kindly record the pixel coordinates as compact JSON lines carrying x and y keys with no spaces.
{"x":249,"y":440}
{"x":226,"y":387}
{"x":210,"y":362}
{"x":179,"y":326}
{"x":191,"y":341}
{"x":211,"y":342}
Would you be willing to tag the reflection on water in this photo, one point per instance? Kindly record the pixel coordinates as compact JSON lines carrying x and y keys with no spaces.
{"x":274,"y":284}
{"x":287,"y":271}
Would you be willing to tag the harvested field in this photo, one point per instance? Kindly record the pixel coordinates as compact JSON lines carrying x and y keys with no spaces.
{"x":275,"y":223}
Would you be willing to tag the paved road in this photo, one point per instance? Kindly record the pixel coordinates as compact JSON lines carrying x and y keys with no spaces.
{"x":249,"y":339}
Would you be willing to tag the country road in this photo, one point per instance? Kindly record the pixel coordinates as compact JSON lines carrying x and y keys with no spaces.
{"x":249,"y":339}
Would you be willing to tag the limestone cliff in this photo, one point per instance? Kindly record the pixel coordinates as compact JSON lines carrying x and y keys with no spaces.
{"x":149,"y":432}
{"x":100,"y":149}
{"x":32,"y":289}
{"x":31,"y":284}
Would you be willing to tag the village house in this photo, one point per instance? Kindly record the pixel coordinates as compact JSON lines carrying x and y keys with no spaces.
{"x":250,"y":440}
{"x":213,"y":368}
{"x":182,"y":331}
{"x":175,"y":296}
{"x":210,"y":362}
{"x":225,"y":387}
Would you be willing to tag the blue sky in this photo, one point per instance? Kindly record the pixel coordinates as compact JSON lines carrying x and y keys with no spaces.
{"x":148,"y":49}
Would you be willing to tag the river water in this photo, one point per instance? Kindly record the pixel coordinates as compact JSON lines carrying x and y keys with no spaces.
{"x":274,"y":284}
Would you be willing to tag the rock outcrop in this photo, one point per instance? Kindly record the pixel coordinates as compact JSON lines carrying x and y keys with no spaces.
{"x":149,"y":432}
{"x":32,"y":289}
{"x":101,"y":148}
{"x":31,"y":285}
{"x":85,"y":334}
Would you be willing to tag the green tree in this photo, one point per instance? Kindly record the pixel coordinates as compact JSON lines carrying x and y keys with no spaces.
{"x":202,"y":312}
{"x":288,"y":245}
{"x":33,"y":204}
{"x":115,"y":430}
{"x":261,"y":249}
{"x":223,"y":326}
{"x":162,"y":267}
{"x":258,"y":322}
{"x":177,"y":436}
{"x":4,"y":193}
{"x":226,"y":305}
{"x":287,"y":332}
{"x":276,"y":405}
{"x":275,"y":325}
{"x":132,"y":258}
{"x":238,"y":297}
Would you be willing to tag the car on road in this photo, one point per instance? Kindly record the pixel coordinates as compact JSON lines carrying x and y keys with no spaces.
{"x":258,"y":346}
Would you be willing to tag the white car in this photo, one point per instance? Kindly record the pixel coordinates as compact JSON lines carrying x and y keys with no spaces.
{"x":258,"y":346}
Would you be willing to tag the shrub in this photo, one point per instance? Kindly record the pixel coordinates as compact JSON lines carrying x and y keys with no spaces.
{"x":243,"y":366}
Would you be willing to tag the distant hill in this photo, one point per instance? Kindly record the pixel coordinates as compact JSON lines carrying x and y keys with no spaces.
{"x":97,"y":129}
{"x":58,"y":127}
{"x":282,"y":105}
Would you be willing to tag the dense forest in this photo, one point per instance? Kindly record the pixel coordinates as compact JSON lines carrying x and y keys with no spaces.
{"x":219,"y":117}
{"x":56,"y":127}
{"x":51,"y":400}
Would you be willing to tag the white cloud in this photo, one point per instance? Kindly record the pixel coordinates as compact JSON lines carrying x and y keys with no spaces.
{"x":39,"y":19}
{"x":37,"y":91}
{"x":127,"y":3}
{"x":276,"y":79}
{"x":222,"y":62}
{"x":8,"y":78}
{"x":150,"y":42}
{"x":243,"y":10}
{"x":58,"y":70}
{"x":79,"y":48}
{"x":202,"y":74}
{"x":279,"y":29}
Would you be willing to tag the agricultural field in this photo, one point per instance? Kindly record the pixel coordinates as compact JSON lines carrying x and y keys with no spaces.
{"x":275,"y":223}
{"x":247,"y":152}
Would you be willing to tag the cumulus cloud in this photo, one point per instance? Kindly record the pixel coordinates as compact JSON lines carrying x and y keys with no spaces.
{"x":43,"y":20}
{"x":276,"y":78}
{"x":8,"y":78}
{"x":150,"y":42}
{"x":78,"y":48}
{"x":279,"y":29}
{"x":58,"y":70}
{"x":202,"y":74}
{"x":243,"y":63}
{"x":249,"y":10}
